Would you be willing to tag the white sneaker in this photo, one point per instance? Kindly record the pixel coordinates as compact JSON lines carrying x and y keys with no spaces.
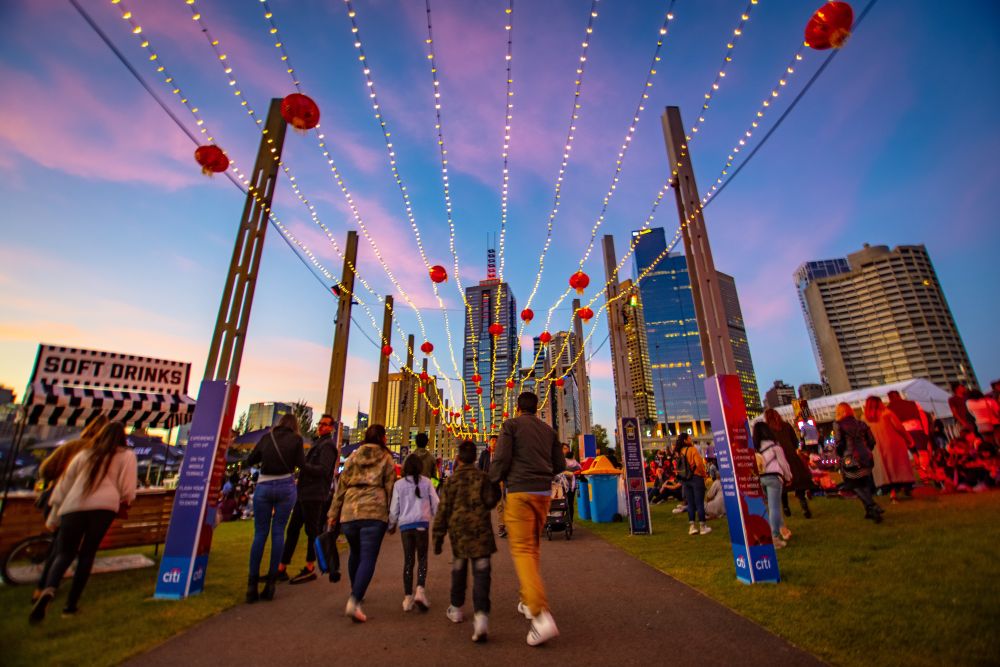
{"x":705,"y":529}
{"x":692,"y":529}
{"x":543,"y":628}
{"x":408,"y":603}
{"x":420,"y":599}
{"x":785,"y":533}
{"x":680,"y":509}
{"x":523,"y":610}
{"x":455,"y":614}
{"x":779,"y":543}
{"x":351,"y":606}
{"x":480,"y":627}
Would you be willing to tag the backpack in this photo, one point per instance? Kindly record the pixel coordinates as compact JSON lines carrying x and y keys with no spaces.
{"x":684,"y":470}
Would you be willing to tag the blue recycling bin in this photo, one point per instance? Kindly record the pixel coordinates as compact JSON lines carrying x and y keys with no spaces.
{"x":583,"y":498}
{"x":603,"y":497}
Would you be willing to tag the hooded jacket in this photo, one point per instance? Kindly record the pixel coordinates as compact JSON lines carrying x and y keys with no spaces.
{"x":464,"y":515}
{"x":528,"y":455}
{"x":365,"y":487}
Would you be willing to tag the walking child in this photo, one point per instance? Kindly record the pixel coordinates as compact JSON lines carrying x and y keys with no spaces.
{"x":414,"y":502}
{"x":466,"y":501}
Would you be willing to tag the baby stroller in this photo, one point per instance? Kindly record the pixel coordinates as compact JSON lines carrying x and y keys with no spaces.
{"x":559,"y":518}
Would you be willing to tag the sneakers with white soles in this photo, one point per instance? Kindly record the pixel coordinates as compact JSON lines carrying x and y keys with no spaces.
{"x":420,"y":599}
{"x":455,"y":614}
{"x":408,"y":603}
{"x":543,"y":628}
{"x":480,"y":627}
{"x":523,"y":610}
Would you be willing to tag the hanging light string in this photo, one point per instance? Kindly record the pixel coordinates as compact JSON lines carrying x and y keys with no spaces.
{"x":550,"y":374}
{"x":726,"y":59}
{"x":623,"y":149}
{"x":228,"y":70}
{"x":564,"y":164}
{"x":241,"y":176}
{"x":782,"y":81}
{"x":504,"y":190}
{"x":322,"y":145}
{"x":404,"y":193}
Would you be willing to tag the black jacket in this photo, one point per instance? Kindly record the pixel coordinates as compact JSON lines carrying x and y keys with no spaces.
{"x":316,"y":475}
{"x":528,"y":455}
{"x":266,"y":453}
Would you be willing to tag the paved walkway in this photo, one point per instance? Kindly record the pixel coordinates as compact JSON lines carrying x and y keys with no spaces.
{"x":610,"y":608}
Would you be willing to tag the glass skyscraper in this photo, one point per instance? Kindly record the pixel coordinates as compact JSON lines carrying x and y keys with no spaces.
{"x":482,"y":302}
{"x":678,"y":369}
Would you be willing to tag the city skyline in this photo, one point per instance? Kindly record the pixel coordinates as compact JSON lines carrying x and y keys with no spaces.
{"x":114,"y":241}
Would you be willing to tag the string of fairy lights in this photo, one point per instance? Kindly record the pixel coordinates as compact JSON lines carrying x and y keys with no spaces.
{"x":137,"y":30}
{"x":321,"y":143}
{"x":454,"y":419}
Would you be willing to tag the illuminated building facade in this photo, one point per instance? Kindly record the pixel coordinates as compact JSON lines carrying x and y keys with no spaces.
{"x":741,"y":347}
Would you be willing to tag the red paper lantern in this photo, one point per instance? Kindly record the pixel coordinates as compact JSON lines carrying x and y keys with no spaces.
{"x":424,"y":377}
{"x":585,"y":313}
{"x":506,"y":414}
{"x":472,"y":420}
{"x":477,"y":378}
{"x":527,"y":314}
{"x":467,"y":407}
{"x":420,"y":390}
{"x":211,"y":158}
{"x":579,"y":281}
{"x":435,"y":412}
{"x":300,"y":111}
{"x":560,"y":382}
{"x":496,"y":329}
{"x":510,"y":384}
{"x":830,"y":26}
{"x":438,"y":274}
{"x":387,"y":350}
{"x":427,"y":347}
{"x":479,"y":390}
{"x":545,"y":337}
{"x":493,"y":406}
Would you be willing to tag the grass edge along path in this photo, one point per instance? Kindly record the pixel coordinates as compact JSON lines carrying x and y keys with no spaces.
{"x":923,"y":588}
{"x":118,"y":616}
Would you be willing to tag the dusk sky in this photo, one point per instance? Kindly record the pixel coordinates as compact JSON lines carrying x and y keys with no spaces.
{"x":112,"y":238}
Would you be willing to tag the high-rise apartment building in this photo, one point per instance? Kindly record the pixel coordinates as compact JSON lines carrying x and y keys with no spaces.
{"x":805,"y":274}
{"x":741,"y":347}
{"x":640,"y":374}
{"x":811,"y":390}
{"x":265,"y":415}
{"x":779,"y":394}
{"x":885,"y":320}
{"x":488,"y":349}
{"x":402,"y":398}
{"x":676,"y":361}
{"x":561,"y":407}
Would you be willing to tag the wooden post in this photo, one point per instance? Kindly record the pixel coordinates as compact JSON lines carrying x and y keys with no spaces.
{"x":379,"y":410}
{"x":407,"y":395}
{"x":713,"y":329}
{"x":342,"y":331}
{"x":624,"y":400}
{"x":582,"y":383}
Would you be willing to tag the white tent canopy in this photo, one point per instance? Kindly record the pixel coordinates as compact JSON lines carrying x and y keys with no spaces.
{"x":929,"y":396}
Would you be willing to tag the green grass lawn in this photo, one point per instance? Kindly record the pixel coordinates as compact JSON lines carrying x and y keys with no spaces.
{"x":923,"y":588}
{"x":119,"y":618}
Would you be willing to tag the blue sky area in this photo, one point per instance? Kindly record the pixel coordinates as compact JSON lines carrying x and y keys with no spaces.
{"x":112,"y":239}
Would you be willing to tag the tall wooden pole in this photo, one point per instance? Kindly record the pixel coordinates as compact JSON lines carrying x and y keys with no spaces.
{"x":423,"y":410}
{"x":407,"y":395}
{"x":713,"y":329}
{"x":379,"y":410}
{"x":342,"y":331}
{"x":582,"y":382}
{"x":624,"y":400}
{"x":226,"y":350}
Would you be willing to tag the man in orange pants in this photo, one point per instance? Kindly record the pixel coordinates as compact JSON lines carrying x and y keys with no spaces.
{"x":526,"y":460}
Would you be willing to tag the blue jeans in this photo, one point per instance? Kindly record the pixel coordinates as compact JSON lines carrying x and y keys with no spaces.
{"x":365,"y":539}
{"x":694,"y":496}
{"x":272,"y":505}
{"x":772,"y":488}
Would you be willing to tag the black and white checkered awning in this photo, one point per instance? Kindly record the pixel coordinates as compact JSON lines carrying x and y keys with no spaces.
{"x":75,"y":406}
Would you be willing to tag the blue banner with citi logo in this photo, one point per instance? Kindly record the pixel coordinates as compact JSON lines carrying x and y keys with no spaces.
{"x":189,"y":537}
{"x":746,"y":510}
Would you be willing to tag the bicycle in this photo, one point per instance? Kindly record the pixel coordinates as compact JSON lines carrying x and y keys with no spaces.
{"x":25,"y":562}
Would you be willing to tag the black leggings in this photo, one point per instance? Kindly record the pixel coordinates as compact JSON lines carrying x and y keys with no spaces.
{"x":481,"y":571}
{"x":800,"y":494}
{"x":79,"y":536}
{"x":414,"y":544}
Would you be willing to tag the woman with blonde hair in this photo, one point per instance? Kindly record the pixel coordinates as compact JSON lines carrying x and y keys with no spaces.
{"x":97,"y":483}
{"x":854,"y":447}
{"x":893,"y":470}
